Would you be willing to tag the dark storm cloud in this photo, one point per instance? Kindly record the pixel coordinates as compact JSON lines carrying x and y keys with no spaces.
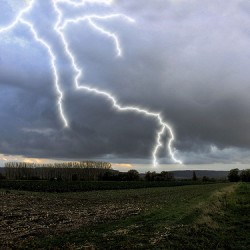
{"x":187,"y":59}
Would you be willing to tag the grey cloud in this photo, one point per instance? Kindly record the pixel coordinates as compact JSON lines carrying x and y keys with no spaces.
{"x":187,"y":60}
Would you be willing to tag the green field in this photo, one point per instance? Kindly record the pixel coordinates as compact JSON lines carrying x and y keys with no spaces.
{"x":79,"y":186}
{"x":213,"y":216}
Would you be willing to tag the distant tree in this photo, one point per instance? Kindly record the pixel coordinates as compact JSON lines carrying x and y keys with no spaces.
{"x":107,"y":176}
{"x":163,"y":176}
{"x":151,"y":176}
{"x":74,"y":177}
{"x":233,"y":175}
{"x":245,"y":175}
{"x":35,"y":178}
{"x":154,"y":176}
{"x":110,"y":176}
{"x":2,"y":177}
{"x":133,"y":175}
{"x":205,"y":179}
{"x":148,"y":176}
{"x":194,"y":178}
{"x":166,"y":176}
{"x":59,"y":178}
{"x":122,"y":176}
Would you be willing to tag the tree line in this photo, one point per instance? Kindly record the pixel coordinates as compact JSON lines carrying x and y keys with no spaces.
{"x":77,"y":171}
{"x":88,"y":170}
{"x":236,"y":175}
{"x":163,"y":176}
{"x":133,"y":175}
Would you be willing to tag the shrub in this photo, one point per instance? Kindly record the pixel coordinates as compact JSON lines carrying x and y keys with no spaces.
{"x":2,"y":177}
{"x":35,"y":178}
{"x":163,"y":176}
{"x":194,"y":178}
{"x":245,"y":175}
{"x":133,"y":175}
{"x":150,"y":176}
{"x":205,"y":179}
{"x":233,"y":175}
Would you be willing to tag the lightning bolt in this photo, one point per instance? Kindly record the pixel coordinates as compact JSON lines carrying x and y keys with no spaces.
{"x":90,"y":19}
{"x":59,"y":27}
{"x":20,"y":20}
{"x":79,"y":3}
{"x":27,"y":1}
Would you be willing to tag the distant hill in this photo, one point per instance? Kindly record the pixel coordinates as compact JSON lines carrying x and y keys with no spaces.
{"x":188,"y":174}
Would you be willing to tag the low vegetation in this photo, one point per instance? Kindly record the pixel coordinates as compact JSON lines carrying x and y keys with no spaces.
{"x":79,"y":186}
{"x":184,"y":217}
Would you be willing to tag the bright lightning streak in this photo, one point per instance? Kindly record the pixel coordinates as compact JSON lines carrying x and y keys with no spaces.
{"x":19,"y":19}
{"x":135,"y":109}
{"x":107,"y":95}
{"x":53,"y":64}
{"x":90,"y":19}
{"x":79,"y":3}
{"x":59,"y":27}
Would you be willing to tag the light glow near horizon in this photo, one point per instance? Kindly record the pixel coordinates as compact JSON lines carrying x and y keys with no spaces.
{"x":59,"y":28}
{"x":142,"y":168}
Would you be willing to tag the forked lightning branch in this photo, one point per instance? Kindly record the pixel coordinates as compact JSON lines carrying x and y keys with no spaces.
{"x":93,"y":20}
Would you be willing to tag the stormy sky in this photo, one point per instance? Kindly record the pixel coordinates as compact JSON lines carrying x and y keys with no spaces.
{"x":188,"y":59}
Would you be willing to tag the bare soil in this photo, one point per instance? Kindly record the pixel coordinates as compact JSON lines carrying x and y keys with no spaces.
{"x":25,"y":215}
